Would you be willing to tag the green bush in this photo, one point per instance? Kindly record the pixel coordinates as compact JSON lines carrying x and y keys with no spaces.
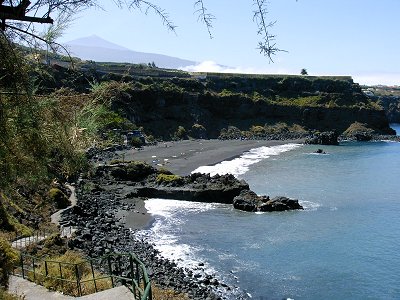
{"x":136,"y":142}
{"x":166,"y":178}
{"x":4,"y":295}
{"x":198,"y":131}
{"x":257,"y":130}
{"x":8,"y":259}
{"x":180,"y":133}
{"x":57,"y":197}
{"x":164,"y":171}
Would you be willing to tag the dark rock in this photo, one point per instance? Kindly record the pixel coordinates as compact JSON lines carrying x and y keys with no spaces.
{"x":250,"y":201}
{"x":323,"y":138}
{"x":320,"y":151}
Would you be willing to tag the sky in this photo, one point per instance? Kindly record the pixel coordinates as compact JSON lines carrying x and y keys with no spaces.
{"x":326,"y":37}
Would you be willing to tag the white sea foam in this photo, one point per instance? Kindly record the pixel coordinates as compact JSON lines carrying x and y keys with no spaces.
{"x":163,"y":233}
{"x":240,"y":165}
{"x":309,"y":205}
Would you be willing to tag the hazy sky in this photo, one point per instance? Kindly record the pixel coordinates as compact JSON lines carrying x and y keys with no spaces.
{"x":327,"y":37}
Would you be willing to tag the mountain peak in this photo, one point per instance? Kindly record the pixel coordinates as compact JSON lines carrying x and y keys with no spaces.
{"x":95,"y":41}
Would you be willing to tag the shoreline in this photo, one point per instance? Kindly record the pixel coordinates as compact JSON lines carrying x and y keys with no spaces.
{"x":183,"y":157}
{"x":109,"y":215}
{"x":193,"y":154}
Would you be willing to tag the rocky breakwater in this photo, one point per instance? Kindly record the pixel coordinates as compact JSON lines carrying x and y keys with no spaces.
{"x":151,"y":183}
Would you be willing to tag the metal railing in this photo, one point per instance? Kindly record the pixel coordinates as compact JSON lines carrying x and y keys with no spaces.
{"x":89,"y":275}
{"x":20,"y":241}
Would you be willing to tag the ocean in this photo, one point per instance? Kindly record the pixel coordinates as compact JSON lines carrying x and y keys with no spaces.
{"x":344,"y":245}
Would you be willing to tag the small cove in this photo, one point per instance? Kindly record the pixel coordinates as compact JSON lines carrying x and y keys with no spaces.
{"x":343,"y":245}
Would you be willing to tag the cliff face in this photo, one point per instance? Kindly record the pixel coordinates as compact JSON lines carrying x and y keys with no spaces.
{"x":391,"y":105}
{"x":218,"y":101}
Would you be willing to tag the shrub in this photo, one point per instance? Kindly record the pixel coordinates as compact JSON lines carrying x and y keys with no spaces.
{"x":164,"y":171}
{"x":4,"y":295}
{"x":198,"y":131}
{"x":166,"y":178}
{"x":257,"y":130}
{"x":8,"y":259}
{"x":231,"y":132}
{"x":180,"y":133}
{"x":136,"y":142}
{"x":57,"y":197}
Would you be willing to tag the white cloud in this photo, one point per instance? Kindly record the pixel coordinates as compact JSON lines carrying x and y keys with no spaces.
{"x":361,"y":78}
{"x":212,"y":66}
{"x":390,"y":79}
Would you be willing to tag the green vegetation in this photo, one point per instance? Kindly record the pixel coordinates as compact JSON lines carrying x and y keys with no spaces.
{"x":56,"y":196}
{"x":8,"y":259}
{"x":168,"y":178}
{"x":4,"y":295}
{"x":358,"y":128}
{"x":68,"y":263}
{"x":159,"y":293}
{"x":180,"y":133}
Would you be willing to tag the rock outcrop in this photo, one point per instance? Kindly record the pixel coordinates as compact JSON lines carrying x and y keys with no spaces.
{"x":150,"y":183}
{"x":250,"y":201}
{"x":323,"y":138}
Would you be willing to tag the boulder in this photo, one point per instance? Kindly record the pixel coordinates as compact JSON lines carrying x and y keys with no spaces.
{"x":323,"y":138}
{"x":250,"y":201}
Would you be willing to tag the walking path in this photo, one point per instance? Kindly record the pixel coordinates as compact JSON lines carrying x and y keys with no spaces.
{"x":55,"y":218}
{"x":30,"y":291}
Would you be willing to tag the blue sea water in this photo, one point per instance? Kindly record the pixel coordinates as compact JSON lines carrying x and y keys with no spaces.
{"x":344,"y":245}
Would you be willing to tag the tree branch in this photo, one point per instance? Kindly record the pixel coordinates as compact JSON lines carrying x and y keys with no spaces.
{"x":267,"y":46}
{"x":150,"y":6}
{"x":204,"y":16}
{"x":51,"y":44}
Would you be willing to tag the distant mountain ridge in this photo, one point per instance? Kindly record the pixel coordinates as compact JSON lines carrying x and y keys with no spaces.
{"x":101,"y":50}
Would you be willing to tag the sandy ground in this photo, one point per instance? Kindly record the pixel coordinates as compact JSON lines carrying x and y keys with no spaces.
{"x":183,"y":157}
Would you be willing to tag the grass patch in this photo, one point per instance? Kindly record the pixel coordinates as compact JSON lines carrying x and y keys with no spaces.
{"x":167,"y":294}
{"x":63,"y":272}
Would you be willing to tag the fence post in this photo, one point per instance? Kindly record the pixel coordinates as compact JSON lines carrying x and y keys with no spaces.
{"x":78,"y":281}
{"x":22,"y":265}
{"x":62,"y":281}
{"x":132,"y":274}
{"x":45,"y":268}
{"x":94,"y":280}
{"x":138,"y":277}
{"x":110,"y":270}
{"x":33,"y":267}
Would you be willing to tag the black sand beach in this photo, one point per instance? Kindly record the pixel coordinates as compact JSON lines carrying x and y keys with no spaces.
{"x":182,"y":158}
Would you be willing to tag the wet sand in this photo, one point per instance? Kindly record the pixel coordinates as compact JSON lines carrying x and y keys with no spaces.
{"x":183,"y":157}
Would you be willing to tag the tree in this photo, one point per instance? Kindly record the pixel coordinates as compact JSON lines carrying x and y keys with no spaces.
{"x":303,"y":72}
{"x":19,"y":17}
